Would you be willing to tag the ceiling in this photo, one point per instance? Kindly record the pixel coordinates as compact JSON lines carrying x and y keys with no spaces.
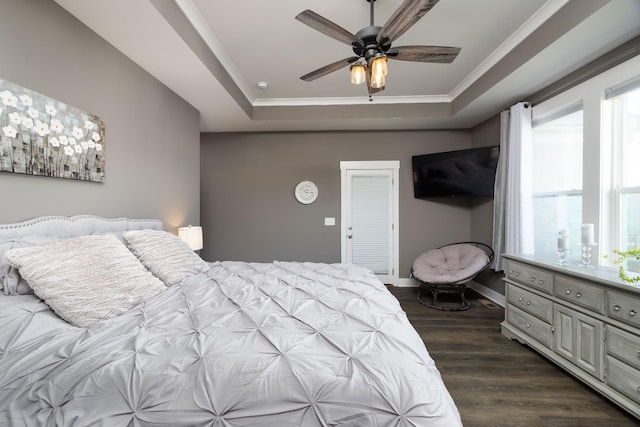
{"x":213,"y":54}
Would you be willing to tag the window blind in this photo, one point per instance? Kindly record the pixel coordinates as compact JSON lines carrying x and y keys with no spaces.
{"x":621,"y":88}
{"x":557,"y":114}
{"x":371,"y":201}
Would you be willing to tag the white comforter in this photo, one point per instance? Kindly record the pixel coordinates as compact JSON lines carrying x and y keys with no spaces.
{"x":246,"y":344}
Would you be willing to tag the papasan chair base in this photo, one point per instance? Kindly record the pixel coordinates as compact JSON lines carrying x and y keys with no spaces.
{"x":447,"y":270}
{"x":436,"y":290}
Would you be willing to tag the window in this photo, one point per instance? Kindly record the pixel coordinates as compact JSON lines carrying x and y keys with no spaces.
{"x":586,"y":164}
{"x":625,"y":129}
{"x":557,"y":179}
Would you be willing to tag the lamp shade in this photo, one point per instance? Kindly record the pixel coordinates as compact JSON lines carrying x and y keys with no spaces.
{"x":378,"y":69}
{"x":377,"y":80}
{"x":358,"y":75}
{"x":192,"y":236}
{"x":379,"y":65}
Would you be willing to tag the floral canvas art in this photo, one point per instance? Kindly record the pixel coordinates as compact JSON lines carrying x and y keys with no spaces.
{"x":45,"y":137}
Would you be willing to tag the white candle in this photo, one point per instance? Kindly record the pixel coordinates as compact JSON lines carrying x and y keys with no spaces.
{"x":587,"y":235}
{"x":563,"y":242}
{"x":563,"y":238}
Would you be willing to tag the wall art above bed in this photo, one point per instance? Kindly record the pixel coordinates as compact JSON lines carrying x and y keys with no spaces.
{"x":45,"y":137}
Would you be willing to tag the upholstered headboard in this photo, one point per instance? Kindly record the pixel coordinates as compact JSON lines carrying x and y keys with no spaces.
{"x":73,"y":226}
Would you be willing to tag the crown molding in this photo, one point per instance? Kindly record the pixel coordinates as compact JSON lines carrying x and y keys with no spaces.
{"x":364,"y":100}
{"x":193,"y":15}
{"x":542,"y":15}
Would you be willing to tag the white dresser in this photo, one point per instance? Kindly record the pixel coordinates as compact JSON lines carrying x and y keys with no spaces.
{"x":586,"y":320}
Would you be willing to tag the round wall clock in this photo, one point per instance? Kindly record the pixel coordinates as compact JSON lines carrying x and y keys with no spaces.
{"x":306,"y":192}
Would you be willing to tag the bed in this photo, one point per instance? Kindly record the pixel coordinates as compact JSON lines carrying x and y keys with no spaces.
{"x":229,"y":344}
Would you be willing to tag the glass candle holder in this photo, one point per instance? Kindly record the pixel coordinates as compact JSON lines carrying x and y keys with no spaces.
{"x":563,"y":254}
{"x":586,"y":256}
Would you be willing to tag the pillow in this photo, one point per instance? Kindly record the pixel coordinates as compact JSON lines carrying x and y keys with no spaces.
{"x":85,"y":279}
{"x":10,"y":280}
{"x":167,"y":256}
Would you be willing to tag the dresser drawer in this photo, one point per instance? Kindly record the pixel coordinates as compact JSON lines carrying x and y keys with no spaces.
{"x":531,"y":276}
{"x":624,"y":346}
{"x":580,"y":293}
{"x":530,"y":325}
{"x":623,"y":378}
{"x":624,"y":307}
{"x":530,"y":302}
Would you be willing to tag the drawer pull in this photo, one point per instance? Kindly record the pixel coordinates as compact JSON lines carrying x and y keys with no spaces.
{"x":533,"y":279}
{"x":578,"y":295}
{"x":528,"y":302}
{"x":517,"y":273}
{"x":520,"y":321}
{"x":616,"y":307}
{"x":632,"y":313}
{"x":540,"y":282}
{"x":568,"y":292}
{"x":520,"y":299}
{"x":528,"y":325}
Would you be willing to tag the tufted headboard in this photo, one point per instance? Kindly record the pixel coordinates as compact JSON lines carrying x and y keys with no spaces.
{"x":73,"y":226}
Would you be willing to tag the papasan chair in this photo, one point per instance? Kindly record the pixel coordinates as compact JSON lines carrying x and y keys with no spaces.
{"x":448,"y":269}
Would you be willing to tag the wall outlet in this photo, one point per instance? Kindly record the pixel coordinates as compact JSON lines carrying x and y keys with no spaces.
{"x":329,"y":221}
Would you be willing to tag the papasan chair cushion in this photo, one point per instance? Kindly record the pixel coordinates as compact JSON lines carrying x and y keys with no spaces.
{"x":452,"y":264}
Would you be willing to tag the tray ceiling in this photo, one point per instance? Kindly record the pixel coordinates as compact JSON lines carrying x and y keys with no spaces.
{"x":214,"y":53}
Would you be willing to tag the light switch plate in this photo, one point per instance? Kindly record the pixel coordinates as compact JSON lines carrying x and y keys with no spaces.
{"x":329,"y":221}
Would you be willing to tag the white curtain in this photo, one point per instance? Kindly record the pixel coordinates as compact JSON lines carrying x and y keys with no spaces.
{"x":513,"y":201}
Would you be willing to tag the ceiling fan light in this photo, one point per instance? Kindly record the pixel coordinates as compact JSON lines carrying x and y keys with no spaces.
{"x":358,"y":74}
{"x":379,"y":65}
{"x":377,"y":80}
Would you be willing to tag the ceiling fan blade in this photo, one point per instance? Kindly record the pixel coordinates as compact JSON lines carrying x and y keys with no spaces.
{"x":328,"y":28}
{"x":327,"y":69}
{"x":438,"y":54}
{"x":409,"y":12}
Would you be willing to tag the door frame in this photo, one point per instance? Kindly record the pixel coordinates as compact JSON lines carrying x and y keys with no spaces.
{"x":394,"y":167}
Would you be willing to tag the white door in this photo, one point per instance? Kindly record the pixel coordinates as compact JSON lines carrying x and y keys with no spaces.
{"x":369,"y":212}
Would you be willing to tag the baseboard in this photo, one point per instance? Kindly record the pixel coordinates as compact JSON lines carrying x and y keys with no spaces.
{"x":489,"y":293}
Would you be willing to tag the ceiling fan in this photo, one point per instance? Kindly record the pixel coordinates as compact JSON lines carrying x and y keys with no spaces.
{"x":372,"y":44}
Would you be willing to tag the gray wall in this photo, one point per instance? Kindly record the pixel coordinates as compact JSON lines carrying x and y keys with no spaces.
{"x":152,"y":136}
{"x":249,"y":212}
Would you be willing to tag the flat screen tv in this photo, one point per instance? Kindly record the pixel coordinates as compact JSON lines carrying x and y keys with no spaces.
{"x":462,"y":173}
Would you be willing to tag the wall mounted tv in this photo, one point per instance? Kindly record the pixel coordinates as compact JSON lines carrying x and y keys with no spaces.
{"x":462,"y":173}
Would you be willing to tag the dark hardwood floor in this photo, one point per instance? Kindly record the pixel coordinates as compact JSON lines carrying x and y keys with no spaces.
{"x":498,"y":382}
